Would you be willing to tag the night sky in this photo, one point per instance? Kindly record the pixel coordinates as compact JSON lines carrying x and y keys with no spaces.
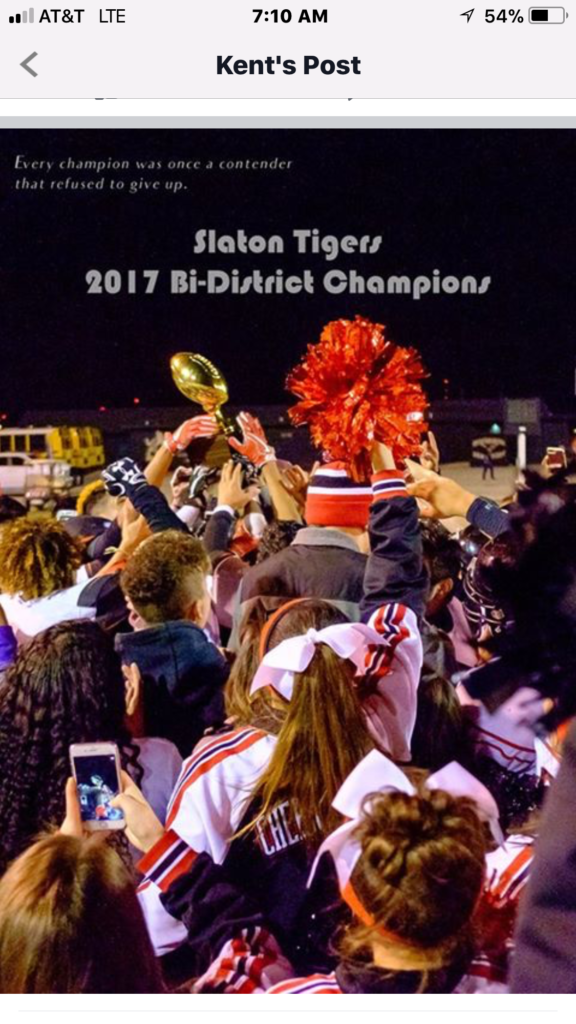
{"x":482,"y":202}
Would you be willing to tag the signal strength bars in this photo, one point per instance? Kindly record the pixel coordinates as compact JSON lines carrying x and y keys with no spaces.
{"x":26,"y":18}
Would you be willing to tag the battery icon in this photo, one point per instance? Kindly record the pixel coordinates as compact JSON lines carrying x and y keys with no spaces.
{"x":547,"y":15}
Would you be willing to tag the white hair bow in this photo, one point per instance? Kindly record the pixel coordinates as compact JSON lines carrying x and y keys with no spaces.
{"x":377,"y":774}
{"x":349,"y":640}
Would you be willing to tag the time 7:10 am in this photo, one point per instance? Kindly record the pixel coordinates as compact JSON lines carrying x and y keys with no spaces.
{"x":310,"y":17}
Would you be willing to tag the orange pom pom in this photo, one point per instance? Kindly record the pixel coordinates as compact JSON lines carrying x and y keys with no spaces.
{"x":356,"y":387}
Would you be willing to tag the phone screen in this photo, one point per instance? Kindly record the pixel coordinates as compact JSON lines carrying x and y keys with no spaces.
{"x":556,"y":458}
{"x":97,"y":784}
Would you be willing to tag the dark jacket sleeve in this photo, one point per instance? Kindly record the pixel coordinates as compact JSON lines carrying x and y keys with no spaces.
{"x":487,"y":516}
{"x":394,"y":572}
{"x":544,"y":960}
{"x":104,"y":592}
{"x":218,"y":532}
{"x":212,"y":908}
{"x":152,"y":504}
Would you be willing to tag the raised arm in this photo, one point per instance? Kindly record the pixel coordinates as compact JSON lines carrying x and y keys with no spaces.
{"x":395,"y":571}
{"x":256,"y":448}
{"x":176,"y":443}
{"x":394,"y":594}
{"x":444,"y":498}
{"x":285,"y":506}
{"x":125,"y":479}
{"x":233,"y":498}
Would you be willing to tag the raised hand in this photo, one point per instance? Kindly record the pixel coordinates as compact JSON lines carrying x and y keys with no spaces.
{"x":200,"y":478}
{"x":191,"y":430}
{"x":121,"y":477}
{"x":444,"y":498}
{"x":430,"y":453}
{"x":180,"y":486}
{"x":255,"y":446}
{"x":231,"y":491}
{"x":381,"y":457}
{"x":295,"y":481}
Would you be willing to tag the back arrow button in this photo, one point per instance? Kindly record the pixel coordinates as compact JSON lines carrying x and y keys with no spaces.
{"x":25,"y":64}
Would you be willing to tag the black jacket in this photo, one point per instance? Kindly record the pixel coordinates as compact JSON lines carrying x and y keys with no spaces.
{"x":215,"y":910}
{"x":183,"y":674}
{"x":394,"y":570}
{"x":320,"y":562}
{"x":216,"y":902}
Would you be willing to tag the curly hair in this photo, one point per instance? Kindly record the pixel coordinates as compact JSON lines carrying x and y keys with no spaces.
{"x":65,"y":687}
{"x":37,"y":558}
{"x":420,"y":873}
{"x":164,"y":575}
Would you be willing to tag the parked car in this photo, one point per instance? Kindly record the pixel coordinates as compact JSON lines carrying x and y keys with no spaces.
{"x":38,"y":481}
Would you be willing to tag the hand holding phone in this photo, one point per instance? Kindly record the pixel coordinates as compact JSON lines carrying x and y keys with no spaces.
{"x":556,"y":459}
{"x":96,"y":770}
{"x":143,"y":828}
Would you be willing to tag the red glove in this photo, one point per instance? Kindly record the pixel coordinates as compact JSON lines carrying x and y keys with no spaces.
{"x":199,"y":426}
{"x":255,"y":447}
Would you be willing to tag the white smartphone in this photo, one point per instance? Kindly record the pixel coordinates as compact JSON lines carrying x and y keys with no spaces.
{"x":96,"y":769}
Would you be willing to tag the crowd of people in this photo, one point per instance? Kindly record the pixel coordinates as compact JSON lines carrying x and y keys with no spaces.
{"x":344,"y":729}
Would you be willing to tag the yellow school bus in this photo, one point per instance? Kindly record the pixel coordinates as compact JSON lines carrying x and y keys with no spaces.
{"x":80,"y":447}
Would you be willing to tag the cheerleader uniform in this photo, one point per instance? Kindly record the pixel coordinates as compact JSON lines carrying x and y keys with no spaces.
{"x":253,"y":962}
{"x":210,"y":803}
{"x":507,"y":873}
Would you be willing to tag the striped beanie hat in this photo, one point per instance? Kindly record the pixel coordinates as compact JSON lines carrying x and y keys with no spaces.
{"x":334,"y":499}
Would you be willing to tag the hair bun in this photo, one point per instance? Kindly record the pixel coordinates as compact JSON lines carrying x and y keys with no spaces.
{"x":397,"y":824}
{"x":422,"y":866}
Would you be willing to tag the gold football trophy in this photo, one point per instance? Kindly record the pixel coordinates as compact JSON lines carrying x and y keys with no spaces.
{"x":200,"y":381}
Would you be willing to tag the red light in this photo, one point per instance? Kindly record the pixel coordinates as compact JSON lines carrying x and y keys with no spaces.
{"x":102,"y":408}
{"x":136,"y":401}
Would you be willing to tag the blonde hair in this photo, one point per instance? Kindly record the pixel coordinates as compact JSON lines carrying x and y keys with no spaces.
{"x":91,"y":492}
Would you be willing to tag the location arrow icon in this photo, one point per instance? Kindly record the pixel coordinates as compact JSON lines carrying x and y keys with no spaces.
{"x":468,"y":14}
{"x":24,"y":64}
